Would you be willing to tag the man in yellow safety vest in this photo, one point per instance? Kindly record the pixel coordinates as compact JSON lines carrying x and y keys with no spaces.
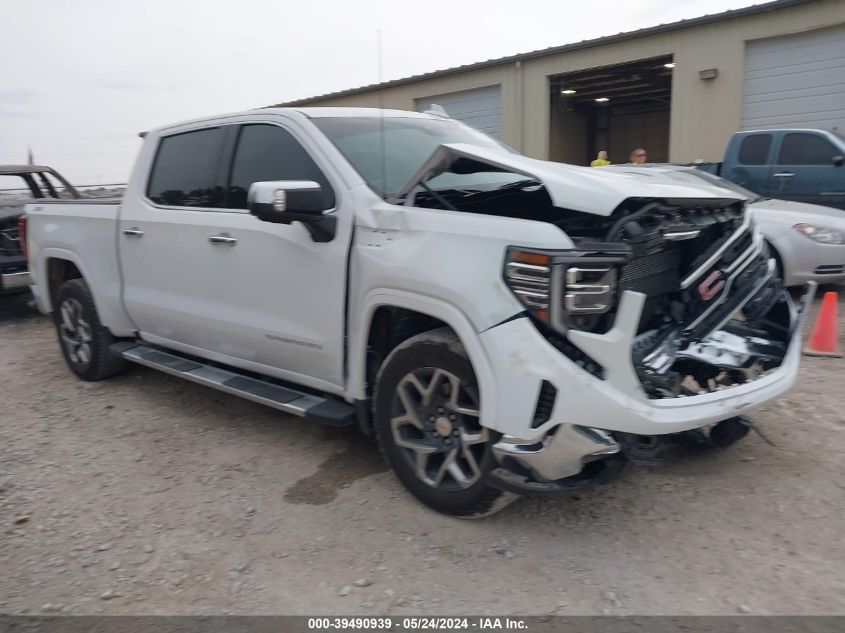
{"x":601,"y":160}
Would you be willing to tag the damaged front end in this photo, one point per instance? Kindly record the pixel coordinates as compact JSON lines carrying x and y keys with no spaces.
{"x":668,"y":297}
{"x":714,"y":313}
{"x":729,"y":320}
{"x":685,"y":301}
{"x":735,"y":325}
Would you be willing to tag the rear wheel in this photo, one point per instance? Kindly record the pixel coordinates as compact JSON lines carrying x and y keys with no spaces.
{"x":428,"y":422}
{"x":83,"y":339}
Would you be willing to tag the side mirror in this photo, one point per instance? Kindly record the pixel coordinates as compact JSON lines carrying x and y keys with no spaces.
{"x":287,"y":201}
{"x":838,"y":161}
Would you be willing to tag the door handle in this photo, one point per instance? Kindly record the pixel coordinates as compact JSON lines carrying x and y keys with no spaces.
{"x":784,"y":174}
{"x":223,"y":238}
{"x":133,"y":232}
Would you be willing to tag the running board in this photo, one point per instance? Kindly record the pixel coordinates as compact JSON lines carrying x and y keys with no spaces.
{"x":314,"y":408}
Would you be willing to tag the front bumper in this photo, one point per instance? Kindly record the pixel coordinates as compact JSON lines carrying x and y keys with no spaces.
{"x":805,"y":260}
{"x":522,"y":359}
{"x":563,"y":455}
{"x":557,"y":462}
{"x":818,"y":278}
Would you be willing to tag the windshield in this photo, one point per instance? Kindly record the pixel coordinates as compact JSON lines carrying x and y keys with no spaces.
{"x":406,"y":143}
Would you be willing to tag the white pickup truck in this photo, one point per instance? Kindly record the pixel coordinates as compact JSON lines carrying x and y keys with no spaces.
{"x":502,"y":324}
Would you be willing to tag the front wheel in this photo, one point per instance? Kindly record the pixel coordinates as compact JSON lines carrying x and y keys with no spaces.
{"x":426,"y":410}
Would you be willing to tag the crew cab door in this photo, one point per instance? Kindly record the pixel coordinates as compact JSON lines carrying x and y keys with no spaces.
{"x":207,"y":277}
{"x":748,"y":162}
{"x":809,"y":169}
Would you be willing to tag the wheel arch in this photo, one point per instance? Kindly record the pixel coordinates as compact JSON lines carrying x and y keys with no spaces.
{"x":58,"y":267}
{"x":416,"y":314}
{"x":59,"y":270}
{"x":779,"y":260}
{"x":54,"y":266}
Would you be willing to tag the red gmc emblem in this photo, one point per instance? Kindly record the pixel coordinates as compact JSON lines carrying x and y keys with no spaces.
{"x":711,"y":286}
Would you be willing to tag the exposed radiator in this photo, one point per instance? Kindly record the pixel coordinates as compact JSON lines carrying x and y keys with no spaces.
{"x":653,"y":274}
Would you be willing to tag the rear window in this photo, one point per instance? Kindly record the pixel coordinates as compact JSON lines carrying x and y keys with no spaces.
{"x":184,"y":172}
{"x":754,"y":149}
{"x":806,"y":149}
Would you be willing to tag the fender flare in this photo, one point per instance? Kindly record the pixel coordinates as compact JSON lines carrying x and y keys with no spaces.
{"x":102,"y":302}
{"x":43,"y":280}
{"x":446,"y":312}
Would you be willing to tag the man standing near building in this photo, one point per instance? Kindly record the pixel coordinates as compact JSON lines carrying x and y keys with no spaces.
{"x":601,"y":159}
{"x":639,"y":156}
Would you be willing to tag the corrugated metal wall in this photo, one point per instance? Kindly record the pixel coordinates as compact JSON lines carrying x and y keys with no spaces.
{"x":796,"y":81}
{"x":704,"y":114}
{"x":481,"y":108}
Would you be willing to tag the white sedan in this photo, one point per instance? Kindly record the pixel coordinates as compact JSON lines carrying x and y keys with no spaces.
{"x":807,"y":240}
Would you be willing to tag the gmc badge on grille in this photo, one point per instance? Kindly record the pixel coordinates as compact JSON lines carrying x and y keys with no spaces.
{"x":711,"y":285}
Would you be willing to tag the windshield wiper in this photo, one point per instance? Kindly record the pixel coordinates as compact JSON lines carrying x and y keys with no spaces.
{"x":438,"y":197}
{"x":519,"y":184}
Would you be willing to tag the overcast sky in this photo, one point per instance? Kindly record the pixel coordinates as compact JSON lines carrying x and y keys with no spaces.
{"x":80,"y":78}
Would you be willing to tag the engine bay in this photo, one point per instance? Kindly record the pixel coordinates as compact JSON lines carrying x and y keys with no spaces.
{"x":715,"y":314}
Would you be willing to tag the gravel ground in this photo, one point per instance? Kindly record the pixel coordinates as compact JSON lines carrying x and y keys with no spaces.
{"x":144,"y":494}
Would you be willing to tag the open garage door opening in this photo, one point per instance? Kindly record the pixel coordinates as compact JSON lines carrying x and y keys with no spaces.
{"x":614,"y":108}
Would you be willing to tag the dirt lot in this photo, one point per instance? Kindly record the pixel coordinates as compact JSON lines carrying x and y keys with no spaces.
{"x":148,"y":495}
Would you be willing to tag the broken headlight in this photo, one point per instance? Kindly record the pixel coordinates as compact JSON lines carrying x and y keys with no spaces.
{"x":566,"y":288}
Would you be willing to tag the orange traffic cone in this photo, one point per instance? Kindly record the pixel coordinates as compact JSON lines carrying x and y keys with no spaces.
{"x":823,"y":340}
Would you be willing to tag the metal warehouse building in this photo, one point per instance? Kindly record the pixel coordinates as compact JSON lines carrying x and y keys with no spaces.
{"x":679,"y":89}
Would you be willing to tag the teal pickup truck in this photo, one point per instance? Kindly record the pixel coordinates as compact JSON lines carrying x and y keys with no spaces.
{"x":794,"y":164}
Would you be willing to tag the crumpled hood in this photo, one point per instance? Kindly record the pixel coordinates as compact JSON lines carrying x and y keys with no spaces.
{"x":588,"y":189}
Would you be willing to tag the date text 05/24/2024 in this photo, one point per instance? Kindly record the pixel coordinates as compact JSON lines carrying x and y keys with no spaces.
{"x":417,"y":623}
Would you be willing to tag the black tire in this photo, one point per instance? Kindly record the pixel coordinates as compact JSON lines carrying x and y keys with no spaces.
{"x":439,"y":355}
{"x":83,"y":339}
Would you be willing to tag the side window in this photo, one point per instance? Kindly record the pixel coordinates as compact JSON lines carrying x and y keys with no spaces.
{"x":806,"y":149}
{"x":754,"y":149}
{"x":268,"y":152}
{"x":184,"y":172}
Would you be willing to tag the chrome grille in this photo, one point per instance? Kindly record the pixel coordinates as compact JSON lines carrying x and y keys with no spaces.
{"x":736,"y":244}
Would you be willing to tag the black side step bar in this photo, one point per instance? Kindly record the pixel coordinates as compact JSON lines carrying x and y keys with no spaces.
{"x":315,"y":408}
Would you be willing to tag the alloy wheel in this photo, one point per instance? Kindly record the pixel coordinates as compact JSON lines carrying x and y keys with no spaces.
{"x":435,"y":420}
{"x":75,"y":331}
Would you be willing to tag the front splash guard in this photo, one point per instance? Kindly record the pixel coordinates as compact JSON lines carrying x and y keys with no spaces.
{"x":593,"y":474}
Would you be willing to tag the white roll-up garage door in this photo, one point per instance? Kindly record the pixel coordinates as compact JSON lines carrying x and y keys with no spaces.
{"x":796,"y":81}
{"x":481,"y":108}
